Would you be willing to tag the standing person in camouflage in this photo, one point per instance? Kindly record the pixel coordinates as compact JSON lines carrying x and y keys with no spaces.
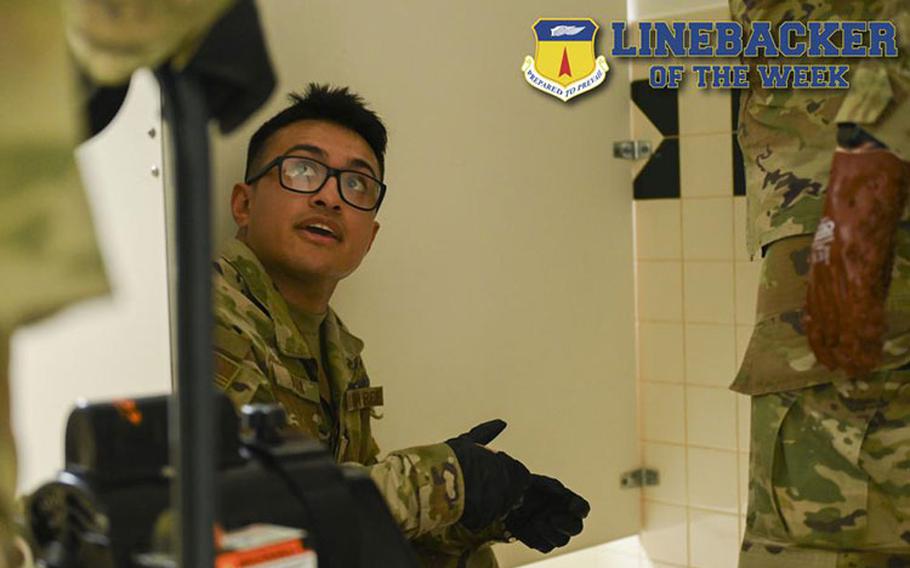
{"x":826,"y":366}
{"x":306,"y":218}
{"x":48,"y":255}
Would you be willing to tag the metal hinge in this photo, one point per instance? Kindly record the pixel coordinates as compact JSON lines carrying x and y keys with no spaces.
{"x":641,"y":477}
{"x":632,"y":149}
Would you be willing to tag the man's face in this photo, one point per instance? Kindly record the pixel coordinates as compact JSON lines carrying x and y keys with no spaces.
{"x":277,"y":224}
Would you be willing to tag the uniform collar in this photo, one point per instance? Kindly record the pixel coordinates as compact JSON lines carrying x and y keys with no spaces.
{"x":288,"y":338}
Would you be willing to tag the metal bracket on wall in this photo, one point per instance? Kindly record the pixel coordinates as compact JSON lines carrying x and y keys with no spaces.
{"x":641,"y":477}
{"x":632,"y":149}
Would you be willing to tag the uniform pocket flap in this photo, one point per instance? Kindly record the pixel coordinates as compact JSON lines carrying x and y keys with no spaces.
{"x":243,"y":386}
{"x":295,"y":381}
{"x":231,"y":342}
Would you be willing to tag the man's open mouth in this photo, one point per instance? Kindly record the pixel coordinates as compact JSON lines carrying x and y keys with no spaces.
{"x":321,"y":230}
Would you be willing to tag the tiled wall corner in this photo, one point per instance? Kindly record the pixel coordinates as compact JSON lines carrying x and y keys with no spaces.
{"x":696,"y":287}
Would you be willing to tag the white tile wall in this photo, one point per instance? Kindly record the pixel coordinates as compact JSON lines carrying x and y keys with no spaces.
{"x":743,"y":459}
{"x":670,"y":461}
{"x":663,"y":413}
{"x":711,"y":418}
{"x":693,"y":265}
{"x":746,"y":284}
{"x":657,"y":223}
{"x":661,"y":351}
{"x":665,"y":534}
{"x":739,"y":228}
{"x":706,"y":167}
{"x":743,"y":334}
{"x":710,"y":354}
{"x":707,"y":225}
{"x":714,"y":539}
{"x":660,"y":290}
{"x":708,"y":292}
{"x":743,"y":416}
{"x":713,"y":479}
{"x":698,"y":111}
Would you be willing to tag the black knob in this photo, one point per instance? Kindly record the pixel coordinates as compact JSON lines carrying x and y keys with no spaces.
{"x":264,"y":422}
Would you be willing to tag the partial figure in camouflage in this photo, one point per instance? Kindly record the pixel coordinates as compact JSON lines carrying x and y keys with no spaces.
{"x":48,"y":255}
{"x":829,"y":477}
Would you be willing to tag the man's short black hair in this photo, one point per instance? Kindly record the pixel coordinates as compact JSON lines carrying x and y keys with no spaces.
{"x":323,"y":102}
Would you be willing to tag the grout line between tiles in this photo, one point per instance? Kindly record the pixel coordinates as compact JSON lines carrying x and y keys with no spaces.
{"x":639,"y":421}
{"x":660,"y":382}
{"x":724,"y":387}
{"x":686,"y":445}
{"x":686,"y":259}
{"x":706,"y":197}
{"x":691,"y":509}
{"x":730,"y":132}
{"x":685,"y":400}
{"x":680,"y":383}
{"x":713,"y":511}
{"x":710,"y":322}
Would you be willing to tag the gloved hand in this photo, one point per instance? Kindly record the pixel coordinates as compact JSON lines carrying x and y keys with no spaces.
{"x":852,"y":257}
{"x":493,"y":481}
{"x":549,"y":515}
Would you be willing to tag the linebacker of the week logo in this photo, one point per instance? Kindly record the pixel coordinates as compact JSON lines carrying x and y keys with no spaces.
{"x":563,"y":64}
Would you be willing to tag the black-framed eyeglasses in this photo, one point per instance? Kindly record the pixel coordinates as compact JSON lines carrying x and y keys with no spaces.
{"x":306,"y":175}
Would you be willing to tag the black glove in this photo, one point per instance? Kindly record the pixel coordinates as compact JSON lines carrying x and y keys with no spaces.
{"x":549,"y":515}
{"x":493,"y":481}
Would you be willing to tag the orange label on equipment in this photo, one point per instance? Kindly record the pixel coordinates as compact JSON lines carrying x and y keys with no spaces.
{"x":288,"y":554}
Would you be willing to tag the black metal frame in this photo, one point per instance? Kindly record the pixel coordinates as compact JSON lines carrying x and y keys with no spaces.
{"x":192,"y":417}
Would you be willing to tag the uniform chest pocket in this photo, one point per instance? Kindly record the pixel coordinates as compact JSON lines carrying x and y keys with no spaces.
{"x":243,"y":385}
{"x":301,"y":401}
{"x":293,"y":378}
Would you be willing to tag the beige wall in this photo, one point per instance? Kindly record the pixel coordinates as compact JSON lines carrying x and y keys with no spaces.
{"x":501,"y":281}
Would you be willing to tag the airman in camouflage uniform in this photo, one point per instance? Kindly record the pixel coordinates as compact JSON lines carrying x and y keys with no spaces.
{"x":262,"y":356}
{"x":278,"y":340}
{"x":829,"y":470}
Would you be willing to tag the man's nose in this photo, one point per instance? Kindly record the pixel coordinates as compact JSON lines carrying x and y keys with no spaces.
{"x":328,"y":195}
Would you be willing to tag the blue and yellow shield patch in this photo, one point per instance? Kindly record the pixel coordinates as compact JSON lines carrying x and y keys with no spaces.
{"x":564,"y":64}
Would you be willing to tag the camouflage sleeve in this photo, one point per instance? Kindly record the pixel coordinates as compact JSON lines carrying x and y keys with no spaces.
{"x":423,"y":487}
{"x":879,"y":95}
{"x":112,"y":38}
{"x":47,"y":248}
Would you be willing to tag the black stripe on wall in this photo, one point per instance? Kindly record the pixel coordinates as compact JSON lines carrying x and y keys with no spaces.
{"x":739,"y":174}
{"x":659,"y":179}
{"x":661,"y":106}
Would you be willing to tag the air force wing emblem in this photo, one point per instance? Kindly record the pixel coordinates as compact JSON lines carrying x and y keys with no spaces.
{"x":564,"y":64}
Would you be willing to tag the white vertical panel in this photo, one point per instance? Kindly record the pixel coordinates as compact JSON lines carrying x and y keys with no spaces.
{"x":114,"y":346}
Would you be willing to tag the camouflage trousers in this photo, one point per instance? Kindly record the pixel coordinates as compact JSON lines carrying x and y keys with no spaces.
{"x":829,"y":479}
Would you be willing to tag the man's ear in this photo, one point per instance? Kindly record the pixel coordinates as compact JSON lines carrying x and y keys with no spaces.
{"x":241,"y":201}
{"x":373,"y":236}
